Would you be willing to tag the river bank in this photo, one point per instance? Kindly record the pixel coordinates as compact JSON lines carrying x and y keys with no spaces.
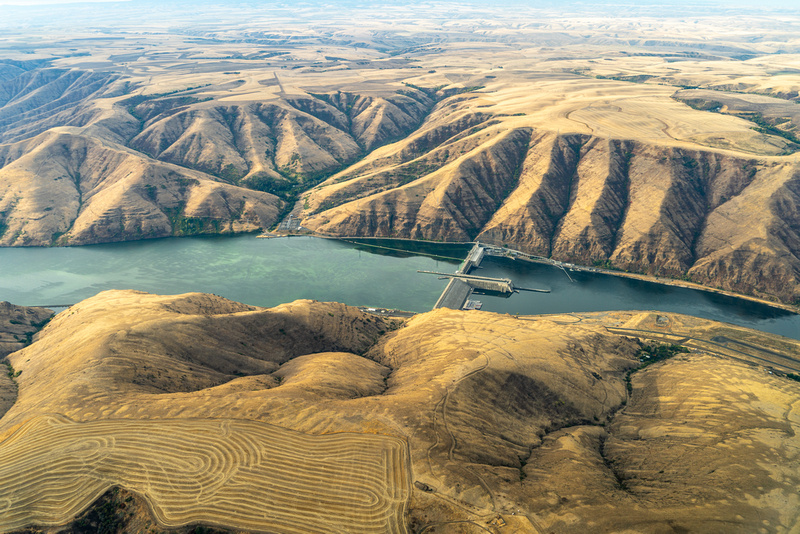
{"x":664,"y":281}
{"x":497,"y":250}
{"x":372,"y":273}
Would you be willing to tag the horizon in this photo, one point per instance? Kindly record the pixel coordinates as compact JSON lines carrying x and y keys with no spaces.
{"x":532,"y":4}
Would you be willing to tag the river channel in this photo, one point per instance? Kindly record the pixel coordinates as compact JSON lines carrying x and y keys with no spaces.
{"x":267,"y":272}
{"x":589,"y":291}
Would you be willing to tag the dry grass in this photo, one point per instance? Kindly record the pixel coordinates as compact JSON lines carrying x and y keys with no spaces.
{"x":494,"y":413}
{"x":240,"y":474}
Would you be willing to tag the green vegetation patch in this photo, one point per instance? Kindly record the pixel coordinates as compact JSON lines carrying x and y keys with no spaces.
{"x":282,"y":188}
{"x":186,"y":226}
{"x":703,"y":104}
{"x":605,"y":264}
{"x":650,"y":354}
{"x":12,"y":374}
{"x":764,"y":125}
{"x":430,"y":91}
{"x":633,"y":78}
{"x":767,"y":126}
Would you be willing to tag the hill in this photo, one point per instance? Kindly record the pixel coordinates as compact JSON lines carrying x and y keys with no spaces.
{"x":720,"y":219}
{"x":625,"y":142}
{"x":316,"y":416}
{"x":18,"y":324}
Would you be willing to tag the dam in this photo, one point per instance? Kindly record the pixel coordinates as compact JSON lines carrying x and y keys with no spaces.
{"x":456,"y":295}
{"x":270,"y":272}
{"x":500,"y":285}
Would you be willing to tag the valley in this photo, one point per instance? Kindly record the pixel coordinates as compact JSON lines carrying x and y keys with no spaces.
{"x":592,"y":140}
{"x":144,"y":145}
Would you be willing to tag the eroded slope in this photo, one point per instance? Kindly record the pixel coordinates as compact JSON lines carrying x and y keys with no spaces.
{"x":18,"y":324}
{"x":67,"y":188}
{"x":724,"y":220}
{"x":577,"y":169}
{"x":153,"y":165}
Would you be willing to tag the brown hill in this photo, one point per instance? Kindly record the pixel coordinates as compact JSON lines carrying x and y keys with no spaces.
{"x":63,"y":187}
{"x":451,"y":421}
{"x":18,"y":324}
{"x":581,"y":154}
{"x":300,"y":138}
{"x":84,"y":162}
{"x":661,"y":210}
{"x":32,"y":99}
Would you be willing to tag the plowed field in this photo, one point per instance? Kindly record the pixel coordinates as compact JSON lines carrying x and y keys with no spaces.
{"x":241,"y":474}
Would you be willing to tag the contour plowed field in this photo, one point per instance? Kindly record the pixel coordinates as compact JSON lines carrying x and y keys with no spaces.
{"x":241,"y":474}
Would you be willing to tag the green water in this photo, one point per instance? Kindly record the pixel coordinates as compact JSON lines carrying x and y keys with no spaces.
{"x":587,"y":291}
{"x":262,"y":272}
{"x":268,"y":272}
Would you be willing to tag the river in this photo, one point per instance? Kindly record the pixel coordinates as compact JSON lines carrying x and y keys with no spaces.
{"x":267,"y":272}
{"x":261,"y":272}
{"x":600,"y":292}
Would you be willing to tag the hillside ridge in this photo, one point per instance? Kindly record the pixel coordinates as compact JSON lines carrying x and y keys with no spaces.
{"x":650,"y":158}
{"x":203,"y":408}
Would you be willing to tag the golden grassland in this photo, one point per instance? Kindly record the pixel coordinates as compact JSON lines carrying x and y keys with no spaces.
{"x":238,"y":474}
{"x":569,"y":73}
{"x":564,"y":134}
{"x":239,"y":417}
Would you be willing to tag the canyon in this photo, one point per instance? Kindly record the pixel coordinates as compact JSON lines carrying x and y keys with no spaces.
{"x":551,"y":153}
{"x":651,"y":139}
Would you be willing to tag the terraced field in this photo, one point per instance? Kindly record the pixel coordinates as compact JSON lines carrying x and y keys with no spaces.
{"x":241,"y":474}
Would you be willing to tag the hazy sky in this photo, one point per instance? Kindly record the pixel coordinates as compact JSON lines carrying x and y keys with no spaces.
{"x":46,"y":2}
{"x":792,"y":4}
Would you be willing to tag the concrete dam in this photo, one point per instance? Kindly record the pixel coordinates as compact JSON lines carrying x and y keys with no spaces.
{"x":462,"y":284}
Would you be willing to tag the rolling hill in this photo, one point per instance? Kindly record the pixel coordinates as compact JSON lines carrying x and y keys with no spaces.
{"x":591,"y":171}
{"x":191,"y":410}
{"x":657,"y":139}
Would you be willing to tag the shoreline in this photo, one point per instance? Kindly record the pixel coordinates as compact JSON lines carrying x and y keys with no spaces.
{"x":508,"y":253}
{"x":667,"y":282}
{"x":524,"y":256}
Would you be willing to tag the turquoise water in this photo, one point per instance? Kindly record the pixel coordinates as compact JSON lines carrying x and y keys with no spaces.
{"x":262,"y":272}
{"x":268,"y":272}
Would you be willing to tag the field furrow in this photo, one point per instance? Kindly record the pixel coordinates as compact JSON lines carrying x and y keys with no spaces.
{"x":240,"y":474}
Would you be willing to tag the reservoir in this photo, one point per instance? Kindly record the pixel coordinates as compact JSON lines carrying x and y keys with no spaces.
{"x":268,"y":272}
{"x":592,"y":291}
{"x":261,"y":272}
